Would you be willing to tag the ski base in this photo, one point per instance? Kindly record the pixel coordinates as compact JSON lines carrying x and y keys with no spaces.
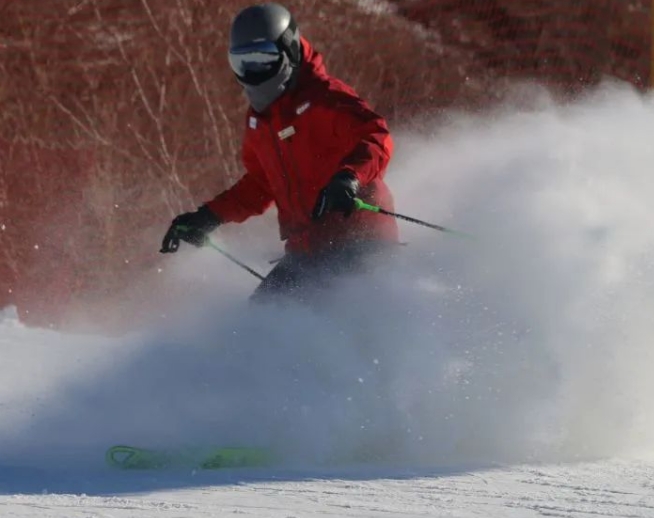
{"x":134,"y":458}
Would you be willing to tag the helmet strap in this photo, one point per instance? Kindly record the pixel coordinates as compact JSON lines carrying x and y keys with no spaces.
{"x":289,"y":41}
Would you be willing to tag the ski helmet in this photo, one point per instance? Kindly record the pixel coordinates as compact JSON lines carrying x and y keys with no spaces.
{"x":264,"y":52}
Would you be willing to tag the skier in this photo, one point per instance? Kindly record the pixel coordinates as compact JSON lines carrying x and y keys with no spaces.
{"x":311,"y":146}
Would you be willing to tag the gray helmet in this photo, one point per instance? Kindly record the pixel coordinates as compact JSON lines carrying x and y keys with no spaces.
{"x":261,"y":37}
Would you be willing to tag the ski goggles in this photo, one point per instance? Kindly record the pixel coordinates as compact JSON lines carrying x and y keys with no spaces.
{"x":256,"y":62}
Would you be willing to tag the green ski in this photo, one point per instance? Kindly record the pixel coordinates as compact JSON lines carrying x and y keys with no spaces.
{"x":134,"y":458}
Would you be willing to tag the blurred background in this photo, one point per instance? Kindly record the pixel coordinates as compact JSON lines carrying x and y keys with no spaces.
{"x":115,"y":115}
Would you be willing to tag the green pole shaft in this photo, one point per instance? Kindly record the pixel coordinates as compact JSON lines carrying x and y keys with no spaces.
{"x":361,"y":205}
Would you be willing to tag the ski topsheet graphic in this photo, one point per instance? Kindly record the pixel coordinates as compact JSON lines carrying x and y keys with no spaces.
{"x":130,"y":457}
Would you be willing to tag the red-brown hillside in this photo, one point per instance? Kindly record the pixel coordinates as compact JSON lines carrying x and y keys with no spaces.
{"x":115,"y":115}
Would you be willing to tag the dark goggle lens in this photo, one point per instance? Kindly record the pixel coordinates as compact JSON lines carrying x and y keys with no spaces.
{"x":256,"y":62}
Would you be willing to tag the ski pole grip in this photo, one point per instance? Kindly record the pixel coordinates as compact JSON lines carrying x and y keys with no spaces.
{"x":362,"y":205}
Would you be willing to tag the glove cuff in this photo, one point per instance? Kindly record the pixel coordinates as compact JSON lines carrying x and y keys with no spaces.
{"x":348,"y":180}
{"x":210,"y":220}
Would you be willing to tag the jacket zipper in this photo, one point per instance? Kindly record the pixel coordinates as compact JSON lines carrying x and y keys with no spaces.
{"x":296,"y":171}
{"x":278,"y":149}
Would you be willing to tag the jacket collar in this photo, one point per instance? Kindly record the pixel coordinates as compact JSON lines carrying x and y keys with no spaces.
{"x":312,"y":62}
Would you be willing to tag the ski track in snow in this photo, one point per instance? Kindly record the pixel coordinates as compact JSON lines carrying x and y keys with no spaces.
{"x":509,"y":377}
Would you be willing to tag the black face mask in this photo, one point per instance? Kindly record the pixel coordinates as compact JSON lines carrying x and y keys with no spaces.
{"x":263,"y":94}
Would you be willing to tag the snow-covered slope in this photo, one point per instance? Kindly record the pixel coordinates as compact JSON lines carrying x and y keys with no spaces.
{"x":493,"y":377}
{"x":612,"y":489}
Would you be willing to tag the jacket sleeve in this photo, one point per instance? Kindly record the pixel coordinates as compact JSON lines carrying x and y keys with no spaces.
{"x":373,"y":147}
{"x":250,"y":196}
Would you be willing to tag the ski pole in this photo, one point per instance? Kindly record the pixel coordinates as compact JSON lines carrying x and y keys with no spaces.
{"x":233,"y":259}
{"x":208,"y":242}
{"x":361,"y":205}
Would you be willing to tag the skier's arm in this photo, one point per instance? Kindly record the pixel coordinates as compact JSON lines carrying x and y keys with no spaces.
{"x":250,"y":196}
{"x":374,"y":147}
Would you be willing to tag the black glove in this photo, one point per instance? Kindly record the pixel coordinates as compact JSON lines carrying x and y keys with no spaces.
{"x":191,"y":227}
{"x":339,"y":195}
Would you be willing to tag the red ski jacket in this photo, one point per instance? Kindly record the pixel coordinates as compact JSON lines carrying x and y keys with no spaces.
{"x":292,"y":150}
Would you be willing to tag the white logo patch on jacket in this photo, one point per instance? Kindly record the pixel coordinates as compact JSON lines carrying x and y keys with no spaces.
{"x":303,"y":107}
{"x":253,"y":122}
{"x":286,"y":132}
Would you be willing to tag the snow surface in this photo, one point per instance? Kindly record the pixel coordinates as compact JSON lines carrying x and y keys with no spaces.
{"x":506,"y":376}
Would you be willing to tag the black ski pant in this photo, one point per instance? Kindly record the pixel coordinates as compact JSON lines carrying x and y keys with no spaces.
{"x":302,"y":276}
